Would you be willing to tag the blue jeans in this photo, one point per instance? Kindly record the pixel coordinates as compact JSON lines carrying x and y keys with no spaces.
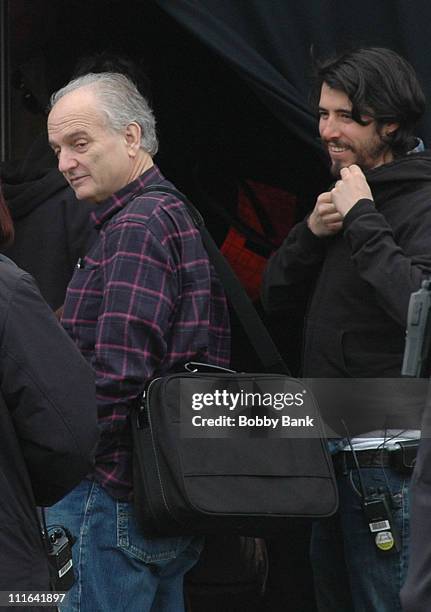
{"x":116,"y":567}
{"x":350,"y":573}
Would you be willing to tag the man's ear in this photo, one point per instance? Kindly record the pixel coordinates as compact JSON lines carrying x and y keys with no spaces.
{"x":133,"y":138}
{"x":389,"y":129}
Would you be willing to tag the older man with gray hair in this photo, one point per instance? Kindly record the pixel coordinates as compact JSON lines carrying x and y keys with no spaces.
{"x":142,"y":302}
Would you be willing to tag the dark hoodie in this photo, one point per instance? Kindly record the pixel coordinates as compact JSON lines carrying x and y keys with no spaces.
{"x":360,"y":280}
{"x":52,"y":228}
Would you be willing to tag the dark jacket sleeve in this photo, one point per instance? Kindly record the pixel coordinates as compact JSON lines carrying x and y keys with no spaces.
{"x":394,"y":268}
{"x":50,"y":391}
{"x":416,"y":592}
{"x":292,"y":269}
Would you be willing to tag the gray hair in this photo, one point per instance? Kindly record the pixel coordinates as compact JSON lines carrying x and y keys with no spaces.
{"x":120,"y":101}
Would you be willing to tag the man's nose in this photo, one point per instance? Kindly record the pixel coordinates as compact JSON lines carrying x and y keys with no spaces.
{"x":66,"y":161}
{"x":329,"y":129}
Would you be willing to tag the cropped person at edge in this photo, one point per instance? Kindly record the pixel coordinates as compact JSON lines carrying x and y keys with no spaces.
{"x":48,"y":424}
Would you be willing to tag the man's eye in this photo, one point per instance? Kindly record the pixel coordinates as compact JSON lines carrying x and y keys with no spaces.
{"x":323,"y":115}
{"x":80,"y":145}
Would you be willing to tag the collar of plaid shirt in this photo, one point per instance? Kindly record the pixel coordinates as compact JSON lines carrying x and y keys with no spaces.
{"x":107,"y":209}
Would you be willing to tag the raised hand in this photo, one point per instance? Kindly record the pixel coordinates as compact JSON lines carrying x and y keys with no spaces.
{"x":350,"y":189}
{"x":325,"y":220}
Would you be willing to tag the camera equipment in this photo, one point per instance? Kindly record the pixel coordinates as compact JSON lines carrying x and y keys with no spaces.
{"x":416,"y":361}
{"x":59,"y":544}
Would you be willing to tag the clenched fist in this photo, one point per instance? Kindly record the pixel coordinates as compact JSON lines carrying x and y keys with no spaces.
{"x":325,"y":220}
{"x":350,"y":189}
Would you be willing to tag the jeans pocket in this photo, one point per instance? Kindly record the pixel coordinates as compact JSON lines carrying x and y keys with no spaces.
{"x":147,"y":550}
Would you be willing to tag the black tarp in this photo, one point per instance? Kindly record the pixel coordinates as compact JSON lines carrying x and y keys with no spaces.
{"x":231,"y":78}
{"x":206,"y":110}
{"x":268,"y":43}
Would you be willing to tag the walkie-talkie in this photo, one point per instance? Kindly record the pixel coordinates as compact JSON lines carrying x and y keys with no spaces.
{"x":379,"y":515}
{"x":416,"y":361}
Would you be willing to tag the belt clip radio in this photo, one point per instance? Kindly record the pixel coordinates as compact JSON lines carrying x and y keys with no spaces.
{"x":60,"y":543}
{"x":378,"y":512}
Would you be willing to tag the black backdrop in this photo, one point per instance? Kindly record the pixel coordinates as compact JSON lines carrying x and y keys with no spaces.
{"x":268,"y":42}
{"x":231,"y":78}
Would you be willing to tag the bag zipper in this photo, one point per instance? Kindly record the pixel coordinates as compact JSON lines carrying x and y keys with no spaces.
{"x":145,"y":406}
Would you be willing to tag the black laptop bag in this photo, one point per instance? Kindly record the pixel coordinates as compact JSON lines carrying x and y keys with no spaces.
{"x":197,"y":476}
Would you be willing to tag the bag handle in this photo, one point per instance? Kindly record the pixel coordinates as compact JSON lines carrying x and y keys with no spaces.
{"x":197,"y":366}
{"x":251,"y":322}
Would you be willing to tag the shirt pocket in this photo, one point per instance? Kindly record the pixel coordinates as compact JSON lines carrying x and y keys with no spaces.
{"x":83,"y":300}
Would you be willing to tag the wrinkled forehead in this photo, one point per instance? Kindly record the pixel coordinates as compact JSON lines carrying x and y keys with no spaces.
{"x":77,"y":110}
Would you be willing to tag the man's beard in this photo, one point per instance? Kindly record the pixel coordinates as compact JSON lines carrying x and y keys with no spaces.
{"x":366,"y":157}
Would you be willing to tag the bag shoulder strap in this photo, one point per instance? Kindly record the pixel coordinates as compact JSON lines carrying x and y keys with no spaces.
{"x":235,"y":292}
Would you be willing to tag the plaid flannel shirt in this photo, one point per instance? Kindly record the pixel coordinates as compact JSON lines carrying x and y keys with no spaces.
{"x":143,"y":300}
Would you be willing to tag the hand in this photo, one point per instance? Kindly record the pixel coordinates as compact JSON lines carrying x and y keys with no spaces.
{"x":350,"y":189}
{"x":325,"y":220}
{"x":59,"y":312}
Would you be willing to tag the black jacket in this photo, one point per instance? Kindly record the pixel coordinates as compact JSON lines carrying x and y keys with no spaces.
{"x":360,"y":280}
{"x":362,"y":277}
{"x":52,"y":228}
{"x":48,"y":424}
